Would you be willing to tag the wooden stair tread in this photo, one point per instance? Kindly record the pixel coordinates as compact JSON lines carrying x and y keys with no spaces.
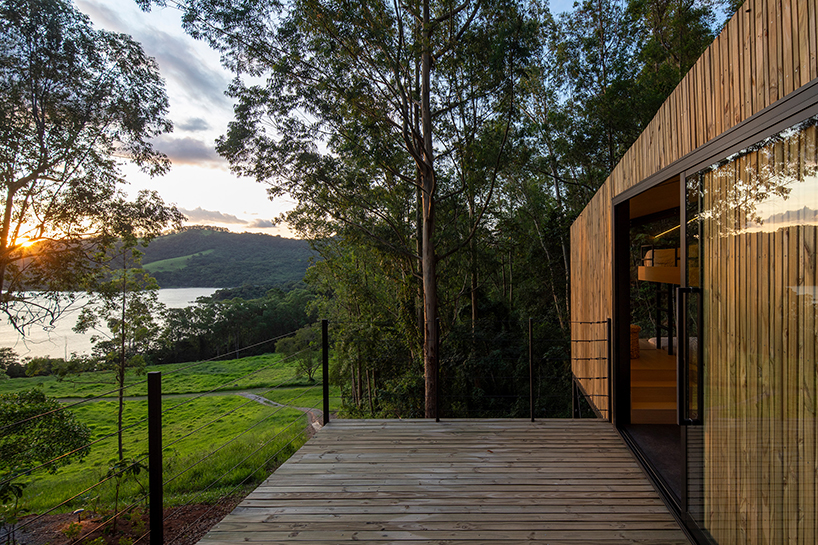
{"x":653,"y":384}
{"x":653,"y":405}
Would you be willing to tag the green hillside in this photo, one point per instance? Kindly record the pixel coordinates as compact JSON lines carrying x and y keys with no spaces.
{"x":196,"y":257}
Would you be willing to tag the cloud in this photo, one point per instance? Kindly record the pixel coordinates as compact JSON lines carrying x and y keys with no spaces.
{"x":199,"y":80}
{"x":189,"y":151}
{"x":198,"y":215}
{"x":194,"y":124}
{"x":261,"y":224}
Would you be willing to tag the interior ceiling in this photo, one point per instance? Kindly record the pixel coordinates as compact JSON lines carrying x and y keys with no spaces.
{"x":664,"y":196}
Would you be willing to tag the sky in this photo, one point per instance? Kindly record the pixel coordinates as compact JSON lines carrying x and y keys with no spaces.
{"x":200,"y":183}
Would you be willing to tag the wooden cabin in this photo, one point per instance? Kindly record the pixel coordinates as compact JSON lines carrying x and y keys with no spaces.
{"x":704,"y":239}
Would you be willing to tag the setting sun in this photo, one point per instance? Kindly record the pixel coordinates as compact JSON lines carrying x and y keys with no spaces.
{"x":26,"y":242}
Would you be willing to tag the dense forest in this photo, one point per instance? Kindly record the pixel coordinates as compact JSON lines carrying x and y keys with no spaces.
{"x":445,"y":151}
{"x":209,"y":257}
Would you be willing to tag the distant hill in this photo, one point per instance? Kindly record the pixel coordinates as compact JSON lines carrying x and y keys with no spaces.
{"x":202,"y":258}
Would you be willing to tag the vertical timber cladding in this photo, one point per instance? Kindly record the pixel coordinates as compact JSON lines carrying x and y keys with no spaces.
{"x":768,"y":49}
{"x":591,"y":269}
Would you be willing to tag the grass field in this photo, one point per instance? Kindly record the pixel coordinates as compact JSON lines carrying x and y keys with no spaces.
{"x":172,"y":264}
{"x":264,"y":371}
{"x":214,"y":440}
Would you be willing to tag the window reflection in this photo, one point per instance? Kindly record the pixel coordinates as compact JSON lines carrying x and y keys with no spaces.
{"x":771,"y":185}
{"x":759,"y":232}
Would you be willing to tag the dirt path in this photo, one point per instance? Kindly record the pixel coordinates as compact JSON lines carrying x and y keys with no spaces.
{"x":316,"y":416}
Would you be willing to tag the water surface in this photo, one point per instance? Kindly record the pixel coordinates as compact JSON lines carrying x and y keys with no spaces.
{"x":62,"y":341}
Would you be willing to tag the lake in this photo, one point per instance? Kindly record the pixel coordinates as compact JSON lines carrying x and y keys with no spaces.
{"x":62,"y":341}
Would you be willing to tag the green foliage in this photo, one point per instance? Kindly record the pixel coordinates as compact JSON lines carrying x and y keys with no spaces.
{"x":204,"y":257}
{"x":674,"y":35}
{"x":74,"y":101}
{"x":215,"y":327}
{"x":10,"y":490}
{"x":72,"y":531}
{"x":304,"y":347}
{"x":60,"y":367}
{"x":438,"y":157}
{"x":29,"y":439}
{"x":10,"y":364}
{"x":223,"y":418}
{"x":122,"y":470}
{"x":409,"y":112}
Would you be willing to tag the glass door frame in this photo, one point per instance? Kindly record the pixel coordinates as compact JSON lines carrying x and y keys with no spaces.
{"x":682,"y":334}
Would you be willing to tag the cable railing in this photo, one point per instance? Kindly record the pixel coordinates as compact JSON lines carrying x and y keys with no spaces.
{"x":216,"y":444}
{"x":491,"y":368}
{"x":591,"y":369}
{"x":194,"y":457}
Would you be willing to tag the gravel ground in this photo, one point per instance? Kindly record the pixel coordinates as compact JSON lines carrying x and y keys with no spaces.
{"x":184,"y":525}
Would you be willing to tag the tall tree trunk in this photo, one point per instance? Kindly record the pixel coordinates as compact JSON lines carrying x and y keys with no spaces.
{"x":428,"y":255}
{"x":430,"y":352}
{"x":419,"y":227}
{"x":369,"y":393}
{"x":473,"y":263}
{"x":510,"y":278}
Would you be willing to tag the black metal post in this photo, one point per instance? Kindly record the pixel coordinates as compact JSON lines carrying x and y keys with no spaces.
{"x":155,"y":457}
{"x":325,"y":366}
{"x":531,"y":367}
{"x":437,"y":372}
{"x":658,"y":329}
{"x":670,"y":328}
{"x":610,"y":369}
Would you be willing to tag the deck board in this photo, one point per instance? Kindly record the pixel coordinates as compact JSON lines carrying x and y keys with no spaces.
{"x":464,"y":481}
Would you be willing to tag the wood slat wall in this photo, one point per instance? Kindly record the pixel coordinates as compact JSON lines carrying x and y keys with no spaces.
{"x":592,"y":262}
{"x":747,"y":68}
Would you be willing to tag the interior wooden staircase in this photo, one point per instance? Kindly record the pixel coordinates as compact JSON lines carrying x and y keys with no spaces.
{"x":653,"y":386}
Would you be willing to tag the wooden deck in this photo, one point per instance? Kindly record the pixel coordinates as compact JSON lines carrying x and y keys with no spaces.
{"x":462,"y":481}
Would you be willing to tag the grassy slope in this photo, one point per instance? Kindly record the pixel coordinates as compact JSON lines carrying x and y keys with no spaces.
{"x":202,"y":258}
{"x":173,"y":263}
{"x":264,"y":371}
{"x":232,"y":428}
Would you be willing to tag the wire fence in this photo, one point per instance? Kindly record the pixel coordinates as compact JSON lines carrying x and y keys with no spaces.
{"x":591,"y":369}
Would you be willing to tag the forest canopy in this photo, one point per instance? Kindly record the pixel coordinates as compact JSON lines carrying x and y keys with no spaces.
{"x":439,"y":150}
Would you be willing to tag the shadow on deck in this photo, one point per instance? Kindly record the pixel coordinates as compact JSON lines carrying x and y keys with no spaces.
{"x":475,"y":481}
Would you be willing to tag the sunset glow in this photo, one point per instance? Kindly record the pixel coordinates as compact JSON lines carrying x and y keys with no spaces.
{"x":25,"y":242}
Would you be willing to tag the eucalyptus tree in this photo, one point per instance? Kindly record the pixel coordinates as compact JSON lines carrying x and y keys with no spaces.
{"x":673,"y":35}
{"x":347,"y":107}
{"x":595,"y":49}
{"x":75,"y":103}
{"x":124,"y":301}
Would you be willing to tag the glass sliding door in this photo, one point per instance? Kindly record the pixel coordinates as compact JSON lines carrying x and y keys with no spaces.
{"x":751,"y":454}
